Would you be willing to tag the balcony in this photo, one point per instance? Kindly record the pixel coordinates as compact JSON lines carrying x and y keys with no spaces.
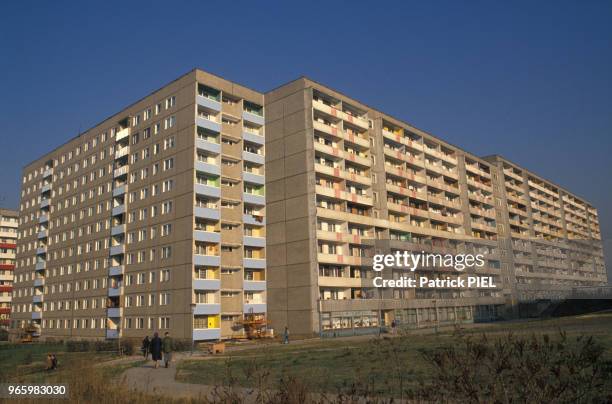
{"x":39,"y":282}
{"x":41,"y":250}
{"x":206,"y":145}
{"x":206,"y":213}
{"x":258,"y":263}
{"x":330,"y":130}
{"x":45,"y":188}
{"x":122,"y":134}
{"x":44,"y":203}
{"x":118,"y":210}
{"x":207,"y":260}
{"x":208,"y":190}
{"x":117,"y":249}
{"x":256,"y":220}
{"x":124,"y":151}
{"x":37,"y":299}
{"x":43,"y":234}
{"x":207,"y":308}
{"x":116,"y":270}
{"x":208,"y":236}
{"x":254,"y":118}
{"x":254,"y":308}
{"x":254,"y":138}
{"x":254,"y":241}
{"x":206,"y":284}
{"x":253,"y":157}
{"x":208,"y":124}
{"x":207,"y":167}
{"x":120,"y":190}
{"x":43,"y":219}
{"x":121,"y":171}
{"x":254,"y":178}
{"x":208,"y":102}
{"x":112,"y":333}
{"x":205,"y":334}
{"x":254,"y":199}
{"x":254,"y":285}
{"x":36,"y":315}
{"x":116,"y":230}
{"x":40,"y":266}
{"x":115,"y":292}
{"x":355,"y":120}
{"x":114,"y":312}
{"x":47,"y":173}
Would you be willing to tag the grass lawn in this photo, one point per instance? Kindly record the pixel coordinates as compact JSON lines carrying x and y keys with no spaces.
{"x":27,"y":362}
{"x":333,"y":365}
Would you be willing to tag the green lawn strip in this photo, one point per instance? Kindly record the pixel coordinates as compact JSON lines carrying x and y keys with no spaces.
{"x":333,"y":365}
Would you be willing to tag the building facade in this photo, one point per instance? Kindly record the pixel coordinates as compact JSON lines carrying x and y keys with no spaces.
{"x":193,"y":211}
{"x":345,"y":181}
{"x":154,"y":220}
{"x":8,"y":243}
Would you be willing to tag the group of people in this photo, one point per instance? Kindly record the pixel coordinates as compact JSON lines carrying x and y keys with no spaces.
{"x":51,"y":361}
{"x":158,"y":346}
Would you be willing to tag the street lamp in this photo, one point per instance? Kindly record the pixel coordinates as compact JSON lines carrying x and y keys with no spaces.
{"x":193,"y":307}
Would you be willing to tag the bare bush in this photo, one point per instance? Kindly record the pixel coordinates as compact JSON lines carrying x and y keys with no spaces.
{"x":512,"y":369}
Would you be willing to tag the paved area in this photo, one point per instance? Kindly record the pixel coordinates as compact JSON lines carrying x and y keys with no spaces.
{"x":162,"y":381}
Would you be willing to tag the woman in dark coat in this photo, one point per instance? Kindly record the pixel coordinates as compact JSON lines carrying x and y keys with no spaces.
{"x":156,"y":349}
{"x":146,"y":343}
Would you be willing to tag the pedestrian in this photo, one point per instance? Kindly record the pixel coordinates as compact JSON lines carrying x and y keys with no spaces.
{"x":167,"y":347}
{"x":286,"y":336}
{"x":53,"y":362}
{"x":393,"y":327}
{"x":146,"y":343}
{"x":49,"y":362}
{"x":156,"y":349}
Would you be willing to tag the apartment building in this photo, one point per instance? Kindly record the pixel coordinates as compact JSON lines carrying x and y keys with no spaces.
{"x":345,"y":180}
{"x":8,"y":241}
{"x":551,"y":237}
{"x":193,"y":211}
{"x":153,"y":220}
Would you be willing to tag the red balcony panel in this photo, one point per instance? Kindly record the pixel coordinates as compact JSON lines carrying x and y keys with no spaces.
{"x":8,"y":267}
{"x":5,"y":310}
{"x":5,"y":322}
{"x":5,"y":288}
{"x":8,"y":245}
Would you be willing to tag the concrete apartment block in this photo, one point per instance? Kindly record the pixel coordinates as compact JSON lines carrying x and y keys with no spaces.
{"x":346,"y":180}
{"x":193,"y":211}
{"x":153,"y":220}
{"x":8,"y":244}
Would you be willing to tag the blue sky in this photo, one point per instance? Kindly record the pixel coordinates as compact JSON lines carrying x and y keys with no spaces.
{"x":529,"y":80}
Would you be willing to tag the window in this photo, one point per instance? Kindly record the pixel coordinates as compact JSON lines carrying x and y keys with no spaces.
{"x":169,"y":122}
{"x":170,"y":102}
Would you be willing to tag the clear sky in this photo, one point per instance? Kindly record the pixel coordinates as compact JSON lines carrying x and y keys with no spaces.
{"x":529,"y":80}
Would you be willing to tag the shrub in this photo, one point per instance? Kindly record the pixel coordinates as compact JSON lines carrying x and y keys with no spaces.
{"x":129,"y":346}
{"x":518,"y":369}
{"x":78,"y":346}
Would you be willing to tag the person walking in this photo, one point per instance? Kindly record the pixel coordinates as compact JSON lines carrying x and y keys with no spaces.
{"x":156,"y":349}
{"x":286,"y":336}
{"x":167,"y":347}
{"x":146,"y":344}
{"x":49,"y":362}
